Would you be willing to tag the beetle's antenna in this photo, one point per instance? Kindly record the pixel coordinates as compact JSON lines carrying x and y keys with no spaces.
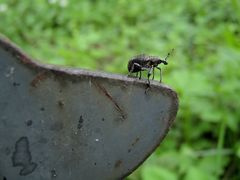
{"x":168,"y":55}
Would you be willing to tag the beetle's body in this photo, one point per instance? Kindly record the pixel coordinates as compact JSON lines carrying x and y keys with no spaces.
{"x":146,"y":63}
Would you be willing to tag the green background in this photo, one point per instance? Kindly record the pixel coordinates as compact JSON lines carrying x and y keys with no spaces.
{"x":204,"y":142}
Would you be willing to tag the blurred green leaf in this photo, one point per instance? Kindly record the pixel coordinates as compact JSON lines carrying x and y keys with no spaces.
{"x":198,"y":174}
{"x":155,"y":173}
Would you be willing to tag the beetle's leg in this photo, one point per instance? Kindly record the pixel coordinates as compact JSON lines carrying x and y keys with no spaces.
{"x":130,"y":72}
{"x":147,"y":88}
{"x":160,"y":73}
{"x":149,"y":74}
{"x":133,"y":66}
{"x":137,"y":65}
{"x":153,"y":74}
{"x":148,"y":80}
{"x":136,"y":74}
{"x":150,"y":70}
{"x":142,"y":69}
{"x":140,"y":72}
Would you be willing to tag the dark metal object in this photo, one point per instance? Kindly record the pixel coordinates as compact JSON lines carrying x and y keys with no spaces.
{"x":143,"y":62}
{"x":64,"y":123}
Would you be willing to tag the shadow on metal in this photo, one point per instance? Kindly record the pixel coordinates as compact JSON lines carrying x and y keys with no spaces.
{"x":69,"y":124}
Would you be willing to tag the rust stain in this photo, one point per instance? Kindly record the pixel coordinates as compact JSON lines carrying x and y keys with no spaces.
{"x":106,"y":93}
{"x":16,"y":52}
{"x":118,"y":163}
{"x":22,"y":57}
{"x":40,"y":77}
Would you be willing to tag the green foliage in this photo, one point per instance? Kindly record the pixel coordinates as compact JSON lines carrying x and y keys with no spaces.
{"x":103,"y":35}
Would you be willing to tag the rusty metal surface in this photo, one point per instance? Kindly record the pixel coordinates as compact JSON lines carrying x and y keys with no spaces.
{"x":62,"y":123}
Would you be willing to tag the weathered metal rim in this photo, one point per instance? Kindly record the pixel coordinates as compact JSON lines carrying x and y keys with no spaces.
{"x":77,"y":73}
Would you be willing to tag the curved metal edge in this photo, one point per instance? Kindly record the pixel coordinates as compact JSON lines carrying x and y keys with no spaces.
{"x":173,"y":115}
{"x":76,"y":73}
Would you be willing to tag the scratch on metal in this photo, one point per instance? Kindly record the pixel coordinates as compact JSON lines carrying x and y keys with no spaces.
{"x":107,"y":94}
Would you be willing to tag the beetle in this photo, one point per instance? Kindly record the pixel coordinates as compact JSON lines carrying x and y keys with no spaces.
{"x":144,"y":62}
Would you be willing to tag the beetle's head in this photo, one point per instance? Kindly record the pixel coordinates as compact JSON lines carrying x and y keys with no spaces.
{"x":165,"y":62}
{"x":162,"y":61}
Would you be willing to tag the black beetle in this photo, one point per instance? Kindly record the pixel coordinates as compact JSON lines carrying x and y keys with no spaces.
{"x":143,"y":62}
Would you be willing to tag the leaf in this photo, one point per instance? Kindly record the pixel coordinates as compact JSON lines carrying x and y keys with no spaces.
{"x":197,"y":174}
{"x":153,"y":172}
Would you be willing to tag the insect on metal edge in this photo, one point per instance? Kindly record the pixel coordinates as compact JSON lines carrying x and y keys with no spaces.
{"x":143,"y":62}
